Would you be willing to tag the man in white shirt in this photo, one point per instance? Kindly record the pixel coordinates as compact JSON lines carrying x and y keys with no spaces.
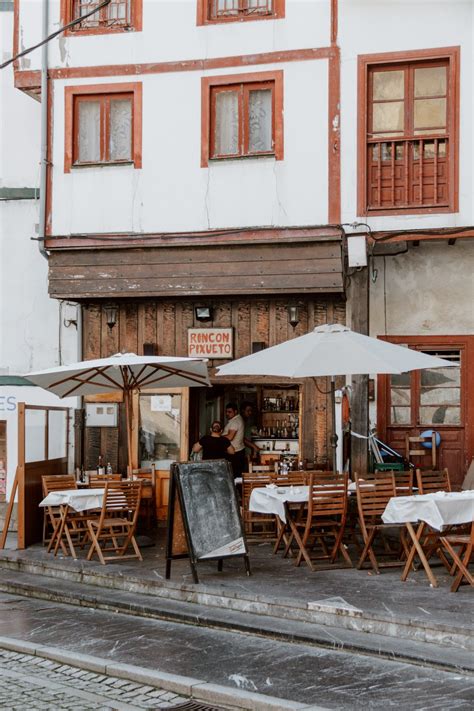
{"x":235,"y":433}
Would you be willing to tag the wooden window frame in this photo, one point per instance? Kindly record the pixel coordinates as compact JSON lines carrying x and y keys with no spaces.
{"x":248,"y":81}
{"x":136,"y":23}
{"x":365,"y":63}
{"x":71,"y":92}
{"x":204,"y":15}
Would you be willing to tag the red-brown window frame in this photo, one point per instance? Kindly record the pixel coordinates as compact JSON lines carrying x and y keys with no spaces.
{"x":365,"y":63}
{"x":136,"y":24}
{"x":203,"y":14}
{"x":251,"y":80}
{"x":103,"y":90}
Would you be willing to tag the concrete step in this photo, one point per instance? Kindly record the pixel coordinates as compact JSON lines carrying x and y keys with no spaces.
{"x":288,"y":630}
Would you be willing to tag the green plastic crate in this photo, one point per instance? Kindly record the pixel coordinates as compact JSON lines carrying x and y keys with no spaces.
{"x":391,"y":467}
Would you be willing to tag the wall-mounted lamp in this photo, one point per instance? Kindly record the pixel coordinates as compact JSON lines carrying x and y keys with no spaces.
{"x":203,"y":313}
{"x":111,"y":316}
{"x":293,"y":316}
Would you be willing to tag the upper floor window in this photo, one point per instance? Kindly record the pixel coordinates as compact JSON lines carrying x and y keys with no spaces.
{"x":118,"y":15}
{"x":410,"y":152}
{"x":103,"y":125}
{"x":211,"y":11}
{"x":243,"y":116}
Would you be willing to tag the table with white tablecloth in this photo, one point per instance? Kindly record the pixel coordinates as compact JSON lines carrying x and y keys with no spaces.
{"x":437,"y":510}
{"x":79,"y":500}
{"x":274,"y":499}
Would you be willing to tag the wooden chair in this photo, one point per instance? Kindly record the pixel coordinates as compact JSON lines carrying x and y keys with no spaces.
{"x":114,"y":530}
{"x":75,"y":525}
{"x":147,"y":476}
{"x":325,"y":519}
{"x":256,"y":525}
{"x":462,"y":557}
{"x":373,"y":495}
{"x":430,"y":481}
{"x":416,"y":451}
{"x":292,"y":478}
{"x":260,"y":468}
{"x":97,"y":481}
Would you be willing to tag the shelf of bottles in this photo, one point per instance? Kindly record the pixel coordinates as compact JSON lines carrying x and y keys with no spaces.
{"x":278,"y":419}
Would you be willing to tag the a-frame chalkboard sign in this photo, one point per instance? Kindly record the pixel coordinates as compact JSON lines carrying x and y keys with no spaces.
{"x":204,"y":520}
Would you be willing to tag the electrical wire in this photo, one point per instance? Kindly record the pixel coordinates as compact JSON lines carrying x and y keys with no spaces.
{"x":55,"y":34}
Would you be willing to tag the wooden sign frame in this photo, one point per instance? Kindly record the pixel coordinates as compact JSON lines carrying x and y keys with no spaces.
{"x":179,"y":542}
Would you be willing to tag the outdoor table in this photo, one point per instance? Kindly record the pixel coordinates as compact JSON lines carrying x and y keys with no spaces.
{"x":77,"y":499}
{"x":275,"y":499}
{"x":438,"y":510}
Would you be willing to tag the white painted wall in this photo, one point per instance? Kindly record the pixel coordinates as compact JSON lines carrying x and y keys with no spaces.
{"x":373,"y":26}
{"x":170,"y":33}
{"x":30,"y":322}
{"x":427,"y":291}
{"x":172,"y":192}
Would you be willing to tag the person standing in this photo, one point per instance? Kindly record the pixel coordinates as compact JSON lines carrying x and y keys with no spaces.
{"x":235,"y":433}
{"x":214,"y":445}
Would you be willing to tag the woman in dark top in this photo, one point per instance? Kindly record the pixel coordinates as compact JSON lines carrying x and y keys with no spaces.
{"x":214,"y":445}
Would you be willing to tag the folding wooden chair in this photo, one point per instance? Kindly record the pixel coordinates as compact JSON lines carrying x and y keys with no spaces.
{"x":325,"y":519}
{"x":257,"y":526}
{"x":373,"y":495}
{"x":462,"y":557}
{"x":113,"y":532}
{"x":97,"y":481}
{"x":75,"y":525}
{"x":413,"y":448}
{"x":260,"y":468}
{"x":429,"y":481}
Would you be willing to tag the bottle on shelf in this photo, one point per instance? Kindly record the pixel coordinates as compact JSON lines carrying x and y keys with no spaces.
{"x":100,"y":466}
{"x":109,"y":469}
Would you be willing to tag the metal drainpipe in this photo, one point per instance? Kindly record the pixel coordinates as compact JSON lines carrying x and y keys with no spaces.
{"x":44,"y":131}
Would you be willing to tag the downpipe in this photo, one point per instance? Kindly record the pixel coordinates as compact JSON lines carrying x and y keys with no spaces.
{"x":44,"y":132}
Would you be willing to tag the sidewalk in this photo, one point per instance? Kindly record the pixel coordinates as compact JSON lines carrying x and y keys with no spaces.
{"x":346,"y":599}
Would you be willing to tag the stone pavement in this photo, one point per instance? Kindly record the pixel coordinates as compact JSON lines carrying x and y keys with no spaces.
{"x":28,"y":682}
{"x":302,"y":673}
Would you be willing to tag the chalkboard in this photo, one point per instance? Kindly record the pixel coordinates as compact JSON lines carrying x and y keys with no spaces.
{"x":210,"y":512}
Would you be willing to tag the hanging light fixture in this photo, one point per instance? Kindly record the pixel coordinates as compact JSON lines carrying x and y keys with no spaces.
{"x":293,"y":316}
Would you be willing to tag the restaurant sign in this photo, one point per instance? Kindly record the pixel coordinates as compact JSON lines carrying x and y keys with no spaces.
{"x":210,"y":342}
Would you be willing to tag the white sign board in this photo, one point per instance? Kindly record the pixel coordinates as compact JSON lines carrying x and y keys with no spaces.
{"x":215,"y":343}
{"x":161,"y":403}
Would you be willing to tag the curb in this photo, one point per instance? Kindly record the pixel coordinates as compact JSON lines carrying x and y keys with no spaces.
{"x":380,"y":647}
{"x":196,"y":689}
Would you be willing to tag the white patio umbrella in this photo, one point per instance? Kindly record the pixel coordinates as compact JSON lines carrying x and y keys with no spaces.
{"x":332,"y":350}
{"x":123,"y":372}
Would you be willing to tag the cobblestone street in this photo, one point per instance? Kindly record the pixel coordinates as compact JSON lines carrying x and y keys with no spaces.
{"x":28,"y":682}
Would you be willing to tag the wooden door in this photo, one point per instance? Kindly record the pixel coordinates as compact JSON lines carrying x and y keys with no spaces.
{"x":439,"y":399}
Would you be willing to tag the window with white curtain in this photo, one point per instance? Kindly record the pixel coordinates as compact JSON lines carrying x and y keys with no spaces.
{"x":103,"y":128}
{"x":242,"y":118}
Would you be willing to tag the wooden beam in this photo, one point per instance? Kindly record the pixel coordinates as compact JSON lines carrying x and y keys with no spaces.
{"x":359,"y":300}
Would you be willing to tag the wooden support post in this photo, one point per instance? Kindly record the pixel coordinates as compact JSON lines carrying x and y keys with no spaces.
{"x":359,"y":301}
{"x":8,"y":515}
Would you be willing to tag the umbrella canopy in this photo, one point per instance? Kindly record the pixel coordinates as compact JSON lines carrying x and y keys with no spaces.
{"x":332,"y":350}
{"x":125,"y":372}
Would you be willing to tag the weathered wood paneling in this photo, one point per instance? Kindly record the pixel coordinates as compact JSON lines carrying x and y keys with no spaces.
{"x":282,"y":267}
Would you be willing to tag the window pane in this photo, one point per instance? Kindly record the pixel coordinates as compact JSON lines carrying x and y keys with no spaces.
{"x":430,"y":113}
{"x":260,"y":120}
{"x":120,"y":129}
{"x":441,"y":376}
{"x":388,"y":117}
{"x":89,"y":131}
{"x":226,"y":137}
{"x":160,"y":430}
{"x":389,"y":85}
{"x":400,"y":415}
{"x":430,"y":81}
{"x":442,"y":415}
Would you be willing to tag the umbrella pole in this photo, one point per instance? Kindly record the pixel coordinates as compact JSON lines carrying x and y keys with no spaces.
{"x":127,"y":403}
{"x":333,"y":417}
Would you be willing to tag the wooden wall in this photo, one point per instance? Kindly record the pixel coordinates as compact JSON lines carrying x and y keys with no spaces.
{"x":165,"y":323}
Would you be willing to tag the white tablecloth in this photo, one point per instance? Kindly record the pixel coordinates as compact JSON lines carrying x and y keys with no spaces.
{"x":272,"y":501}
{"x":77,"y":499}
{"x":438,"y":510}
